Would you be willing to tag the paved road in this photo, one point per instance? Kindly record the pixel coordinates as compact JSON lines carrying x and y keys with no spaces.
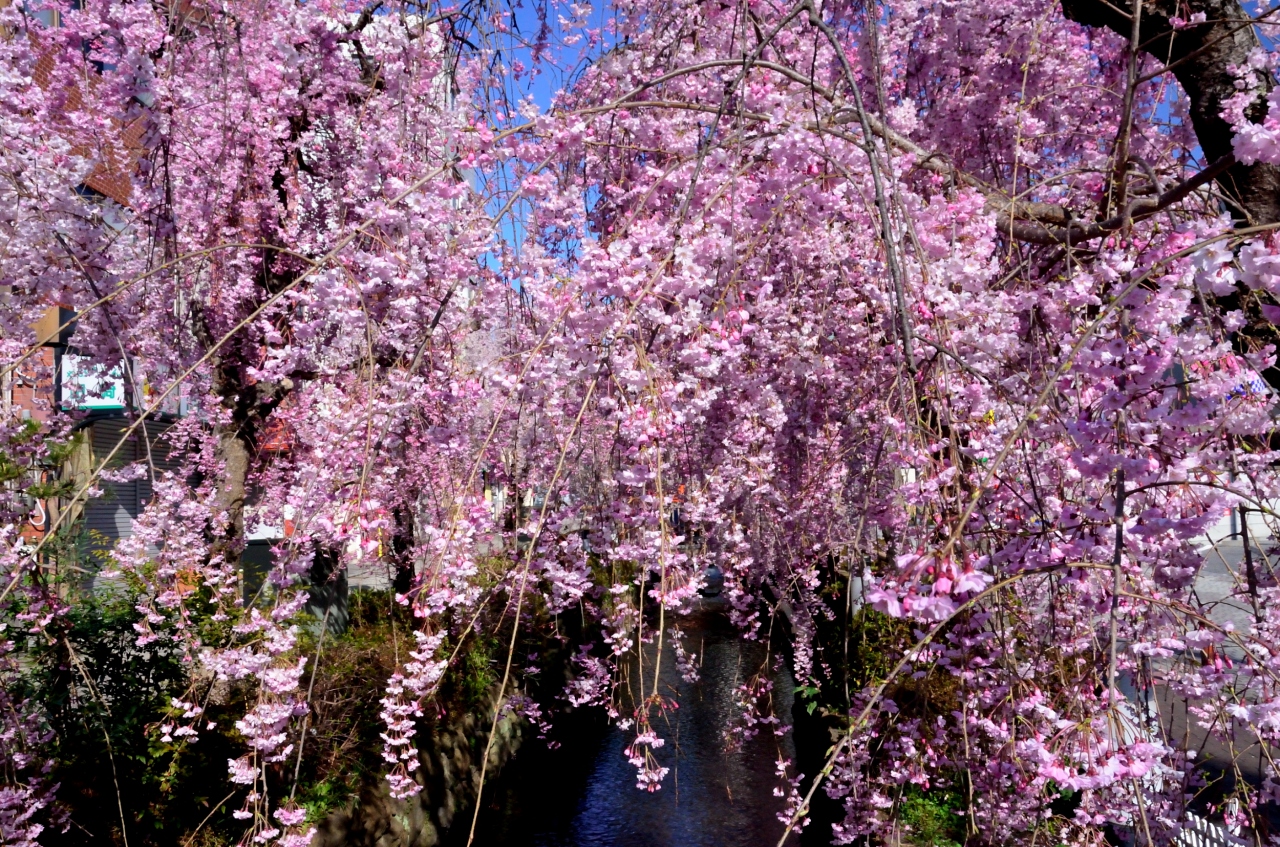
{"x":1221,"y":587}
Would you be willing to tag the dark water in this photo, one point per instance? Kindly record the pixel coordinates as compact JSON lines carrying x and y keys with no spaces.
{"x":584,"y":794}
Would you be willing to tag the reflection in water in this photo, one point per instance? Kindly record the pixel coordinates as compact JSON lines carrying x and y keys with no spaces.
{"x":584,"y":794}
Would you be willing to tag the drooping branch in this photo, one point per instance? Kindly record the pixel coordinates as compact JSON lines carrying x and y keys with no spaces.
{"x":1206,"y":58}
{"x":1201,"y":57}
{"x":1046,"y":223}
{"x":1036,"y":225}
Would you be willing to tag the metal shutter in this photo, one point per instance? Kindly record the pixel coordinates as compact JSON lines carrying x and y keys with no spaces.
{"x":110,"y":517}
{"x":149,"y":443}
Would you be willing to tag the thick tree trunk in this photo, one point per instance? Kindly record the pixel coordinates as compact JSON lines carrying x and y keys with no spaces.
{"x":402,"y":551}
{"x":234,"y":453}
{"x":249,"y":404}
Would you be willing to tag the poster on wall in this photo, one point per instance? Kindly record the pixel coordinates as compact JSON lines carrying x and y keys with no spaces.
{"x":89,"y":386}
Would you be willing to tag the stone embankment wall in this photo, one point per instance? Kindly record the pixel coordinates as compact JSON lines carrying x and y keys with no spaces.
{"x":449,"y":774}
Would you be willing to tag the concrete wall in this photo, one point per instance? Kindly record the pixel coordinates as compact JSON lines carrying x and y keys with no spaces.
{"x":449,"y":774}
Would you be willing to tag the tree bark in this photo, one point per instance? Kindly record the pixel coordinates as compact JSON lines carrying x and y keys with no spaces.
{"x":249,"y":404}
{"x":402,"y":551}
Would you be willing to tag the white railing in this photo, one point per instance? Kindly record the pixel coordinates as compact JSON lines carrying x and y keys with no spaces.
{"x":1205,"y":833}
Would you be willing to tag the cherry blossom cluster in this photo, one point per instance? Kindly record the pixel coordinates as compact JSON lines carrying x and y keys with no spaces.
{"x":752,"y":291}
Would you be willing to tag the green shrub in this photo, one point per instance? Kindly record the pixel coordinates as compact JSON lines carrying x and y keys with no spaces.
{"x":106,"y":699}
{"x":932,"y":818}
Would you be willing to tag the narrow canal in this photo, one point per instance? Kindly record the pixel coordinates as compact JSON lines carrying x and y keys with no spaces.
{"x":717,"y":794}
